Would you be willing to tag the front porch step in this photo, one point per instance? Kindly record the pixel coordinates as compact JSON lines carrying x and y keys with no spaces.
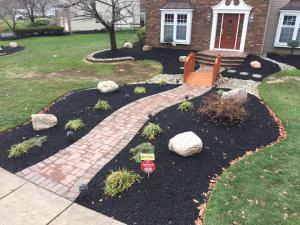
{"x":229,"y":58}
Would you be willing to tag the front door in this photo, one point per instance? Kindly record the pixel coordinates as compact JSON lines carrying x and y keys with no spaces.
{"x":229,"y":31}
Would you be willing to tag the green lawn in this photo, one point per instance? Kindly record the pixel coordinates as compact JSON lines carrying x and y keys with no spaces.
{"x":52,"y":66}
{"x":19,"y":24}
{"x":264,"y":189}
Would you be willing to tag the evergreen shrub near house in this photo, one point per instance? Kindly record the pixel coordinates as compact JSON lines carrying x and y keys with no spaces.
{"x":186,"y":105}
{"x":41,"y":22}
{"x":119,"y":181}
{"x":21,"y":149}
{"x":140,"y":149}
{"x":39,"y":30}
{"x":293,"y":44}
{"x":151,"y":131}
{"x":139,"y":90}
{"x":141,"y":35}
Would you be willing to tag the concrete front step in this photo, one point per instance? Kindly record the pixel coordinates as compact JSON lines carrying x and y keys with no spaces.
{"x":223,"y":64}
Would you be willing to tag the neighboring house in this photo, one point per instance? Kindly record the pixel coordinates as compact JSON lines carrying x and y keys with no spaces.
{"x":283,"y":25}
{"x":235,"y":26}
{"x":67,"y":18}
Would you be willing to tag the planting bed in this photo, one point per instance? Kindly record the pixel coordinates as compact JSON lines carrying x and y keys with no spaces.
{"x":75,"y":105}
{"x":292,"y":60}
{"x":169,"y":58}
{"x":167,"y":196}
{"x":8,"y":51}
{"x":267,"y":68}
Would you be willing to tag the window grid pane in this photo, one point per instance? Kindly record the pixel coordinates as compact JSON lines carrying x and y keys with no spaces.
{"x":168,"y":34}
{"x":181,"y":32}
{"x":169,"y":18}
{"x":289,"y":20}
{"x":181,"y":18}
{"x":286,"y":34}
{"x":298,"y":35}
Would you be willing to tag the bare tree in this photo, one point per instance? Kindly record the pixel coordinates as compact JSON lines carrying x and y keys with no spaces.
{"x":43,"y":5}
{"x":8,"y":12}
{"x":29,"y":7}
{"x":107,"y":12}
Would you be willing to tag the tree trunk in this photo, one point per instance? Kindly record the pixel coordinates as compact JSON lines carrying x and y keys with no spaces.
{"x":113,"y":40}
{"x":32,"y":19}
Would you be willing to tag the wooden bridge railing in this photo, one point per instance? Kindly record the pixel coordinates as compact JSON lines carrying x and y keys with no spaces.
{"x":189,"y":65}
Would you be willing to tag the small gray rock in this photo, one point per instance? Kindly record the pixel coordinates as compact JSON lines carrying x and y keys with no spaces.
{"x":231,"y":71}
{"x":244,"y":73}
{"x":258,"y":76}
{"x":147,"y":48}
{"x":237,"y":95}
{"x":255,"y":65}
{"x":128,"y":45}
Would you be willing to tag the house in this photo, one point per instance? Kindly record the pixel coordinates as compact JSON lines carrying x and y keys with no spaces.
{"x":233,"y":27}
{"x":283,"y":24}
{"x":143,"y":12}
{"x":67,"y":18}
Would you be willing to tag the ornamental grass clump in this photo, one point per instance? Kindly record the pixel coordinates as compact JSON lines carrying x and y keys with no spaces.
{"x":151,"y":131}
{"x":23,"y":148}
{"x":186,"y":105}
{"x":102,"y":105}
{"x":223,"y":111}
{"x":140,"y":149}
{"x":75,"y":124}
{"x":119,"y":181}
{"x":139,"y":90}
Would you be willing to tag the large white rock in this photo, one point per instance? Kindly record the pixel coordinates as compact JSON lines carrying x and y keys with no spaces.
{"x":107,"y":86}
{"x":43,"y":121}
{"x":236,"y":95}
{"x":147,"y":48}
{"x":186,"y":144}
{"x":128,"y":45}
{"x":255,"y":65}
{"x":13,"y":45}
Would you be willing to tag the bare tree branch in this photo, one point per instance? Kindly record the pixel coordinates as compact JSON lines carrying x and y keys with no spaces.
{"x":8,"y":12}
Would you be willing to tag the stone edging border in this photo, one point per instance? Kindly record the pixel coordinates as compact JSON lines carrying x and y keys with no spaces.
{"x":214,"y":180}
{"x":91,"y":58}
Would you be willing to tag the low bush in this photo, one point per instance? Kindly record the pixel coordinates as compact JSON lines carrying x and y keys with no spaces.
{"x":102,"y":105}
{"x":223,"y":111}
{"x":119,"y":181}
{"x":151,"y":131}
{"x":75,"y":124}
{"x":186,"y":105}
{"x":23,"y":148}
{"x":162,"y":83}
{"x":139,"y":90}
{"x":220,"y":92}
{"x":39,"y":30}
{"x":141,"y":35}
{"x":142,"y":148}
{"x":41,"y":22}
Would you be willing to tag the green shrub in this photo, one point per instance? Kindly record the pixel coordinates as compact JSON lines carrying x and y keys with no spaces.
{"x":220,"y":92}
{"x":23,"y":148}
{"x":186,"y":105}
{"x":102,"y":105}
{"x":119,"y":181}
{"x":293,"y":44}
{"x":75,"y":124}
{"x":39,"y":30}
{"x":139,"y":90}
{"x":162,"y":83}
{"x":142,"y":148}
{"x":141,"y":35}
{"x":151,"y":131}
{"x":41,"y":22}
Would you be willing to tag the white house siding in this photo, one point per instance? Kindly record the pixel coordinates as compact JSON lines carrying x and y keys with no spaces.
{"x":271,"y":29}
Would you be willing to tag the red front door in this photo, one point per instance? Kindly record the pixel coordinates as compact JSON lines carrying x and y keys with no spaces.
{"x":228,"y":35}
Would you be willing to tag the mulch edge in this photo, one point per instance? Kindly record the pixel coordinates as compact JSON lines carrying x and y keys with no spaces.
{"x":91,"y":58}
{"x":213,"y":182}
{"x":19,"y":49}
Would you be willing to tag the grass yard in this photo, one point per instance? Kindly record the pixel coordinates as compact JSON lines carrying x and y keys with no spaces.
{"x":264,"y":188}
{"x":52,"y":66}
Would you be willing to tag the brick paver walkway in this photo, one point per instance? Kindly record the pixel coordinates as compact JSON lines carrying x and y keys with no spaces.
{"x":63,"y":172}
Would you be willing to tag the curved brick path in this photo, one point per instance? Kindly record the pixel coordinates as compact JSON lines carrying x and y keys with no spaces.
{"x":63,"y":172}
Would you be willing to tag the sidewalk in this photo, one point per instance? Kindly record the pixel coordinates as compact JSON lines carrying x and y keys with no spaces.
{"x":23,"y":203}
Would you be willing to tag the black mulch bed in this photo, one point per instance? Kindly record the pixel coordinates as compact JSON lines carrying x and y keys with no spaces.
{"x":75,"y":105}
{"x":8,"y":51}
{"x":169,"y":58}
{"x":267,"y":69}
{"x":292,"y":60}
{"x":167,"y":196}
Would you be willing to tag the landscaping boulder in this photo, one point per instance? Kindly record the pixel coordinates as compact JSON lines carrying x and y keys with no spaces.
{"x":43,"y":121}
{"x":236,"y":95}
{"x":147,"y":48}
{"x":13,"y":45}
{"x":186,"y":144}
{"x":128,"y":45}
{"x":255,"y":65}
{"x":182,"y":59}
{"x":107,"y":86}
